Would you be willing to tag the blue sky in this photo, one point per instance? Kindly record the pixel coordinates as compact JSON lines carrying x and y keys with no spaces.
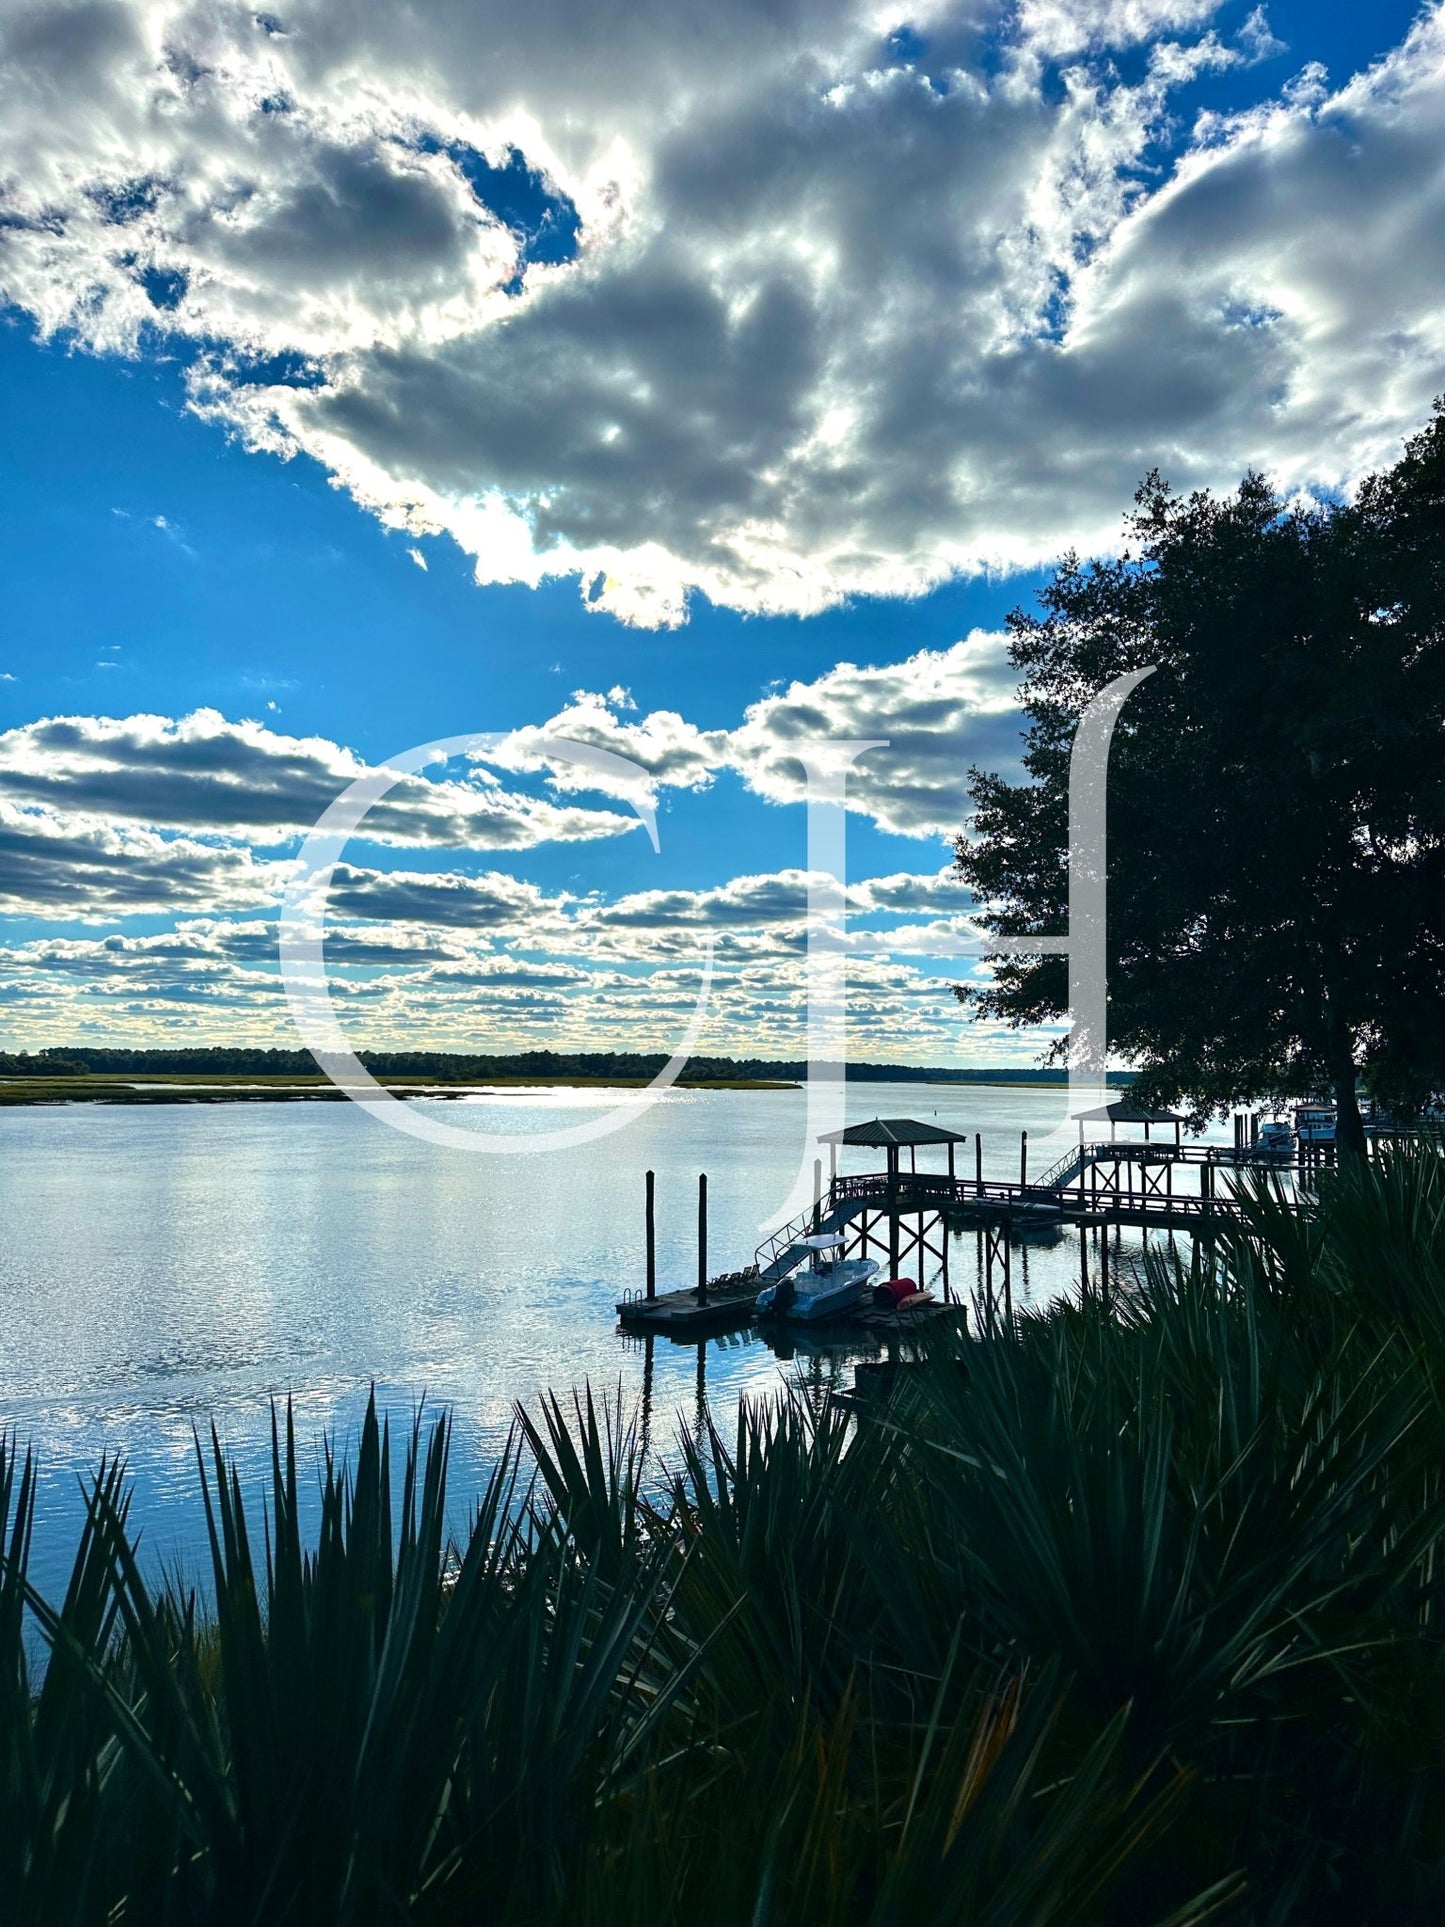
{"x":714,"y":426}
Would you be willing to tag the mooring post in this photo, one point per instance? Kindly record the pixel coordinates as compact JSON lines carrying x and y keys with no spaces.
{"x":651,"y":1235}
{"x":702,"y":1238}
{"x":1023,"y":1157}
{"x":647,"y":1364}
{"x":978,"y":1159}
{"x":817,"y":1194}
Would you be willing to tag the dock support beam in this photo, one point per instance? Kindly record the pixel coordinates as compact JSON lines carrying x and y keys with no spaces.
{"x":651,"y":1235}
{"x":996,"y":1251}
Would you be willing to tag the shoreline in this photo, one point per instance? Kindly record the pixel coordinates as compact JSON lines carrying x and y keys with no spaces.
{"x":20,"y":1093}
{"x":27,"y":1092}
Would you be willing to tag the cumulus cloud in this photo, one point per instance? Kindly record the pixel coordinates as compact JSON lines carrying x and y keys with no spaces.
{"x":778,"y":304}
{"x":932,"y":715}
{"x":935,"y":714}
{"x":501,"y":964}
{"x":205,"y":774}
{"x":104,"y":817}
{"x":90,"y":870}
{"x":492,"y":901}
{"x":670,"y":752}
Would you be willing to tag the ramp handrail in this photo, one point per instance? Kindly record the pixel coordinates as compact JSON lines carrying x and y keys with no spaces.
{"x":1064,"y":1168}
{"x":789,"y":1234}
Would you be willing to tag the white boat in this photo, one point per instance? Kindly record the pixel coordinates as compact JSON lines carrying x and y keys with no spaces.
{"x":1315,"y":1123}
{"x":823,"y":1284}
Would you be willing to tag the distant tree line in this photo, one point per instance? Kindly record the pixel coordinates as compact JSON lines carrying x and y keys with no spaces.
{"x":463,"y":1067}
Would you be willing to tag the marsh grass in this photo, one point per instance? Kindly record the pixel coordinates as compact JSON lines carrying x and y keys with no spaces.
{"x":1136,"y":1618}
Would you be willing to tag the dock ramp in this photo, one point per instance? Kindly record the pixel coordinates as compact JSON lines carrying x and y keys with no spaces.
{"x":778,"y":1255}
{"x":1070,"y":1166}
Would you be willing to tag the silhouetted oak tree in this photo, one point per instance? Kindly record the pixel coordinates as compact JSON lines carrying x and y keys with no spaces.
{"x":1276,"y":792}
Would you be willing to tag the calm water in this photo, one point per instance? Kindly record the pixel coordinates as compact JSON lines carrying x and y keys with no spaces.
{"x":170,"y":1266}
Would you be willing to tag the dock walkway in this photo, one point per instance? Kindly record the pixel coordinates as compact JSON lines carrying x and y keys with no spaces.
{"x":994,"y":1201}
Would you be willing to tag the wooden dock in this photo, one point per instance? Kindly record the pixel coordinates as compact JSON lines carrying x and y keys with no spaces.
{"x":968,"y":1202}
{"x":910,"y":1215}
{"x":686,"y":1315}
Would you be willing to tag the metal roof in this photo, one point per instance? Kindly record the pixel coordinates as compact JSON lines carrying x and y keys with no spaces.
{"x":886,"y":1131}
{"x":1125,"y":1111}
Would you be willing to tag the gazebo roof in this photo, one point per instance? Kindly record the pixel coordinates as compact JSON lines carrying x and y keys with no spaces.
{"x":1125,"y":1111}
{"x":887,"y":1131}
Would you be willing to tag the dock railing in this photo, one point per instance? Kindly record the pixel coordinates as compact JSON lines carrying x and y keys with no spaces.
{"x":931,"y":1192}
{"x":789,"y":1234}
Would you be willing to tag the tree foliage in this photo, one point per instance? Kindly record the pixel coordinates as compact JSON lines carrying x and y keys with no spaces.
{"x":1276,"y":791}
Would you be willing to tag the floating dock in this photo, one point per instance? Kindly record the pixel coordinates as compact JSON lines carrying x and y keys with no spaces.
{"x":685,"y":1314}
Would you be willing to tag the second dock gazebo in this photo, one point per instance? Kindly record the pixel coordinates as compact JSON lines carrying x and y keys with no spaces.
{"x":1125,"y":1111}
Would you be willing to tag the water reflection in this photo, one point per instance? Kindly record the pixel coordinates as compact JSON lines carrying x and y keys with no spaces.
{"x":170,"y":1267}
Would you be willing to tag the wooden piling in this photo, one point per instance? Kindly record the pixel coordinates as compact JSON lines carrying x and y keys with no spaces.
{"x":978,"y":1157}
{"x":651,"y":1235}
{"x":1023,"y":1157}
{"x":702,"y":1238}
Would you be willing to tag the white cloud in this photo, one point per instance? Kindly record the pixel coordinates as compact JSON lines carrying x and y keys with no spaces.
{"x":1257,"y":39}
{"x":608,"y":976}
{"x":843,"y":315}
{"x":86,"y":869}
{"x":492,"y":901}
{"x":672,"y":753}
{"x":203,"y":773}
{"x":1059,"y":28}
{"x":935,"y":713}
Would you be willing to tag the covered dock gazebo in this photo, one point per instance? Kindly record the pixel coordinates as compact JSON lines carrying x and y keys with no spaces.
{"x":897,"y":1200}
{"x":893,"y":1135}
